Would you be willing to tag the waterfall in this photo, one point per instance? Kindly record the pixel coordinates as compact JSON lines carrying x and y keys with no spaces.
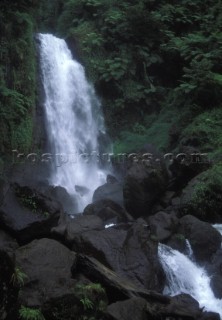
{"x":189,"y":249}
{"x":218,"y":227}
{"x":74,"y":121}
{"x":184,"y":276}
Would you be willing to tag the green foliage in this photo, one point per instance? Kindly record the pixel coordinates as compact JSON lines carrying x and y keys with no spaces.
{"x":17,"y":76}
{"x":93,"y":300}
{"x":180,"y":237}
{"x":26,"y":313}
{"x":206,"y":201}
{"x":87,"y":304}
{"x":18,"y":277}
{"x":146,"y":57}
{"x":205,"y":132}
{"x":103,"y":30}
{"x":29,"y":201}
{"x":152,"y":129}
{"x":113,"y":69}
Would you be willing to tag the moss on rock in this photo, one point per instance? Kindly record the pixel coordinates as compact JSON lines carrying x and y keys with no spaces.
{"x":203,"y":195}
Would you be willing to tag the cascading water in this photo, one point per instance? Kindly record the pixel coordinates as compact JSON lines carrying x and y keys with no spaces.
{"x":184,"y":276}
{"x":73,"y":120}
{"x":189,"y":249}
{"x":218,"y":227}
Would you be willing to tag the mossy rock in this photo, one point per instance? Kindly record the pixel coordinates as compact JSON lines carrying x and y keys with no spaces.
{"x":202,"y":197}
{"x":205,"y":132}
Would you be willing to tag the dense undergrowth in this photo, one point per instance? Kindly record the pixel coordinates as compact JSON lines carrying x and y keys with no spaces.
{"x":157,"y":65}
{"x":17,"y":76}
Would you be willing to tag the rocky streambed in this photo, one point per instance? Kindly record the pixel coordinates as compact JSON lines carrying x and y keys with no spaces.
{"x":56,"y":266}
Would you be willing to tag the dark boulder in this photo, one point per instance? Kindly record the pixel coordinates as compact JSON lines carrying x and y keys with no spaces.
{"x":184,"y":305}
{"x":130,"y":253}
{"x":108,"y":211}
{"x":143,"y":185}
{"x":166,"y":200}
{"x":28,"y":214}
{"x":134,"y":308}
{"x":60,"y":194}
{"x":8,"y":288}
{"x":209,"y":316}
{"x":4,"y":187}
{"x":111,"y":179}
{"x":117,"y":288}
{"x":179,"y":307}
{"x":7,"y":243}
{"x":178,"y":242}
{"x":163,"y":225}
{"x":110,"y":191}
{"x":204,"y":239}
{"x":216,"y":285}
{"x":67,"y":202}
{"x":46,"y":265}
{"x":69,"y":228}
{"x":187,"y":164}
{"x":105,"y":245}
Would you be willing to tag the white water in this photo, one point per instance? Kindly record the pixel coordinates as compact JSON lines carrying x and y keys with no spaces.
{"x":184,"y":276}
{"x":73,"y":120}
{"x":189,"y":249}
{"x":218,"y":227}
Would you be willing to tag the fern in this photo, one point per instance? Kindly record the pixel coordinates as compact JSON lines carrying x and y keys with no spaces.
{"x":30,"y":314}
{"x":18,"y":277}
{"x":87,"y":303}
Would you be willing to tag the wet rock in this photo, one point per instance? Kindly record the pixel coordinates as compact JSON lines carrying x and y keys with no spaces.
{"x":209,"y":316}
{"x":111,"y":179}
{"x":216,"y":285}
{"x":59,"y":194}
{"x":184,"y":305}
{"x":4,"y":187}
{"x":143,"y":185}
{"x":203,"y":238}
{"x":82,"y":190}
{"x":178,"y":242}
{"x":7,"y":243}
{"x":108,"y":211}
{"x":68,"y":229}
{"x":117,"y":288}
{"x":28,"y":214}
{"x":130,"y":253}
{"x":166,"y":199}
{"x":110,"y":191}
{"x":163,"y":225}
{"x":134,"y":308}
{"x":47,"y":268}
{"x":180,"y":307}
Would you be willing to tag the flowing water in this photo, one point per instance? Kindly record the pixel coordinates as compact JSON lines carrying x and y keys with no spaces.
{"x":184,"y":276}
{"x":73,"y":121}
{"x":218,"y":227}
{"x":189,"y":249}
